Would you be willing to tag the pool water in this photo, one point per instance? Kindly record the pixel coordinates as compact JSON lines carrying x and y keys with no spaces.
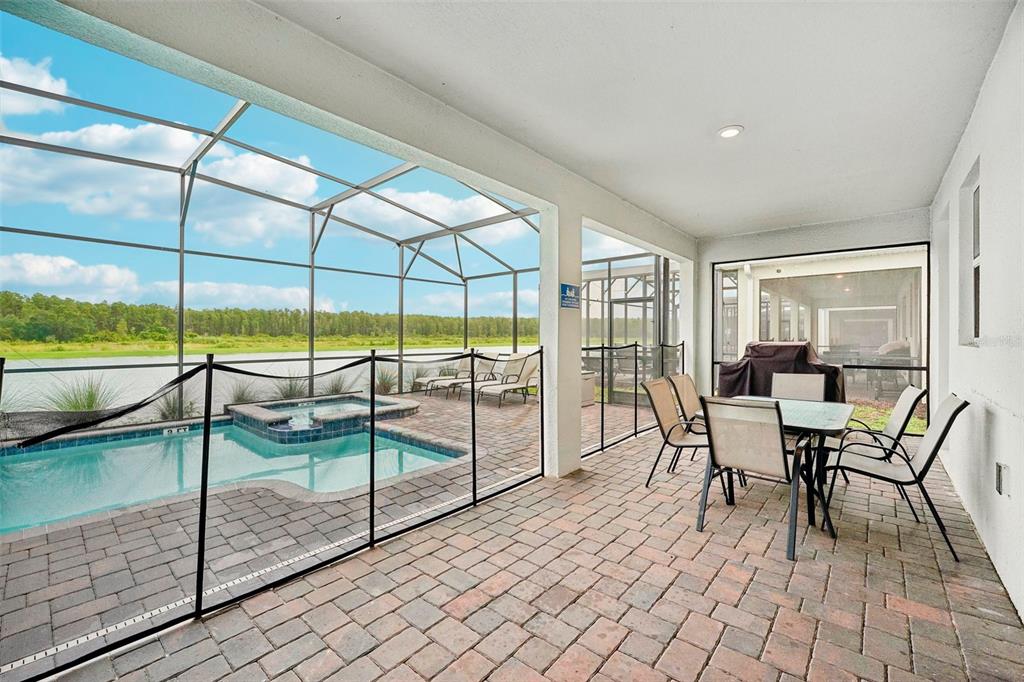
{"x":302,"y":415}
{"x":45,"y":487}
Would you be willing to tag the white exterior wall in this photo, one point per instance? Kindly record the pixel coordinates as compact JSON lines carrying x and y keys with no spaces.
{"x":278,"y":65}
{"x":883,"y":230}
{"x":990,"y":373}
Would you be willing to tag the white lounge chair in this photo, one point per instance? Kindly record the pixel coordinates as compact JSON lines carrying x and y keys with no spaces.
{"x":484,"y":368}
{"x":428,"y":384}
{"x":520,"y":382}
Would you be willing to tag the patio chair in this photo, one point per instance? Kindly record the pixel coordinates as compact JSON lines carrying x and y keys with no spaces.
{"x":675,"y":432}
{"x":426,"y":384}
{"x":798,"y":386}
{"x":890,"y":461}
{"x":689,"y":405}
{"x":747,"y":435}
{"x":893,"y":430}
{"x":484,"y":368}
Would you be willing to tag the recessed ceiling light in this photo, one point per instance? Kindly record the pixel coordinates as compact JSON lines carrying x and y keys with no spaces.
{"x":839,"y":276}
{"x":847,"y":289}
{"x":730,"y":131}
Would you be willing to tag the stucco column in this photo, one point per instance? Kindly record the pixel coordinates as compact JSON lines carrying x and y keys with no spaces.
{"x":560,"y":334}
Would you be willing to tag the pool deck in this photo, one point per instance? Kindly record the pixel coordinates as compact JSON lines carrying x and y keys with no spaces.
{"x":597,"y":577}
{"x":86,"y":575}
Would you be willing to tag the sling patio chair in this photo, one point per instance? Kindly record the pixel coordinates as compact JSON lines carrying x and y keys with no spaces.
{"x":426,"y":383}
{"x":513,"y":383}
{"x":689,"y":404}
{"x":890,"y":461}
{"x":484,"y":369}
{"x":895,"y":427}
{"x":675,"y":433}
{"x":798,"y":386}
{"x":747,"y":436}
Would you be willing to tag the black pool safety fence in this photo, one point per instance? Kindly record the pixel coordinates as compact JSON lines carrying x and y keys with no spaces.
{"x":119,"y":521}
{"x":617,"y":372}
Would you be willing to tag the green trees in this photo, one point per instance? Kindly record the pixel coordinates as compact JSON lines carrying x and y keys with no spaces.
{"x":43,"y":318}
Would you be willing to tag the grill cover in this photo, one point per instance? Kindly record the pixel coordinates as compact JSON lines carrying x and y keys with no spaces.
{"x":752,"y":374}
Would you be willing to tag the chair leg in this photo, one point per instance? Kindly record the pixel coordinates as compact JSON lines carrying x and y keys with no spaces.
{"x":731,"y":496}
{"x":675,"y":461}
{"x":828,"y":498}
{"x":501,"y":396}
{"x":704,"y":496}
{"x":846,"y":478}
{"x":794,"y":509}
{"x":903,"y":494}
{"x":809,"y":481}
{"x":938,"y":519}
{"x":656,"y":460}
{"x":693,"y":454}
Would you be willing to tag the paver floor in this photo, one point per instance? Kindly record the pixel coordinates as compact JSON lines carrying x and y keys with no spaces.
{"x":597,"y":577}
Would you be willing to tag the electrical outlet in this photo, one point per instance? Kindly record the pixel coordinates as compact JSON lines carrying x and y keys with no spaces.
{"x":1003,"y":479}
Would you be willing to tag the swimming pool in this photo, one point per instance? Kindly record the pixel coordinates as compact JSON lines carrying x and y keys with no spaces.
{"x":45,"y":487}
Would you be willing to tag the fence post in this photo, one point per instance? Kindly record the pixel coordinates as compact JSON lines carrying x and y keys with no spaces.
{"x":472,"y":414}
{"x":602,"y":396}
{"x":540,"y":401}
{"x":3,"y":361}
{"x":636,"y":389}
{"x":204,"y":487}
{"x":373,"y":440}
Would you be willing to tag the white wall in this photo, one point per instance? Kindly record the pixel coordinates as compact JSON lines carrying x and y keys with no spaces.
{"x":882,"y":230}
{"x":990,"y":373}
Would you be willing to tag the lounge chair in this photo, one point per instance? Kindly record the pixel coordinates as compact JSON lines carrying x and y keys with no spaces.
{"x":484,"y":368}
{"x":675,"y":433}
{"x":887,"y":460}
{"x":428,"y":384}
{"x":747,"y":436}
{"x":513,"y":383}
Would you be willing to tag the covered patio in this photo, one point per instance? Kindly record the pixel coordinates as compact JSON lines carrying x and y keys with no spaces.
{"x":332,"y":336}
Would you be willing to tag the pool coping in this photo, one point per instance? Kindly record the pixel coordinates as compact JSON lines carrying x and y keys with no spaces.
{"x":286,"y":489}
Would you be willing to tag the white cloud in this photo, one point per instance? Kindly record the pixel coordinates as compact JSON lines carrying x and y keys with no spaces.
{"x":384,"y":217}
{"x":37,"y":76}
{"x":207,"y":294}
{"x":267,"y":175}
{"x":146,"y":141}
{"x":65,"y":276}
{"x":88,"y":187}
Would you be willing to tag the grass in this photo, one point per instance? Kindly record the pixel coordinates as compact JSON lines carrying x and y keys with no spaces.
{"x":84,"y":394}
{"x":173,"y":405}
{"x":292,"y":386}
{"x":387,"y":379}
{"x":233,"y":345}
{"x":244,"y":391}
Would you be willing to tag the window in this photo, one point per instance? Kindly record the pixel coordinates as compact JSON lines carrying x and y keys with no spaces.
{"x":976,"y":262}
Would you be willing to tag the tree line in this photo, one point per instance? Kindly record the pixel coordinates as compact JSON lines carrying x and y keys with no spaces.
{"x":51,"y":318}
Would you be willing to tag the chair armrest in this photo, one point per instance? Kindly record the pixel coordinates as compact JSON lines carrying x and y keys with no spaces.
{"x":510,"y":379}
{"x":858,"y":421}
{"x":876,"y":436}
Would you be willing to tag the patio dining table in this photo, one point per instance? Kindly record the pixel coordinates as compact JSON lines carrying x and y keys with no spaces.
{"x":817,"y":420}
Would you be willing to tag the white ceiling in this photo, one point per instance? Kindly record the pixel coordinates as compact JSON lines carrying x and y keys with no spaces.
{"x":851,"y":109}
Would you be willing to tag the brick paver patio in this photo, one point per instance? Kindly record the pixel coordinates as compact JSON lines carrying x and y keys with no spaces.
{"x":597,"y":577}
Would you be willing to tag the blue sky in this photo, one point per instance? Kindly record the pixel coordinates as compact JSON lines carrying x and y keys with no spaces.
{"x":60,"y":193}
